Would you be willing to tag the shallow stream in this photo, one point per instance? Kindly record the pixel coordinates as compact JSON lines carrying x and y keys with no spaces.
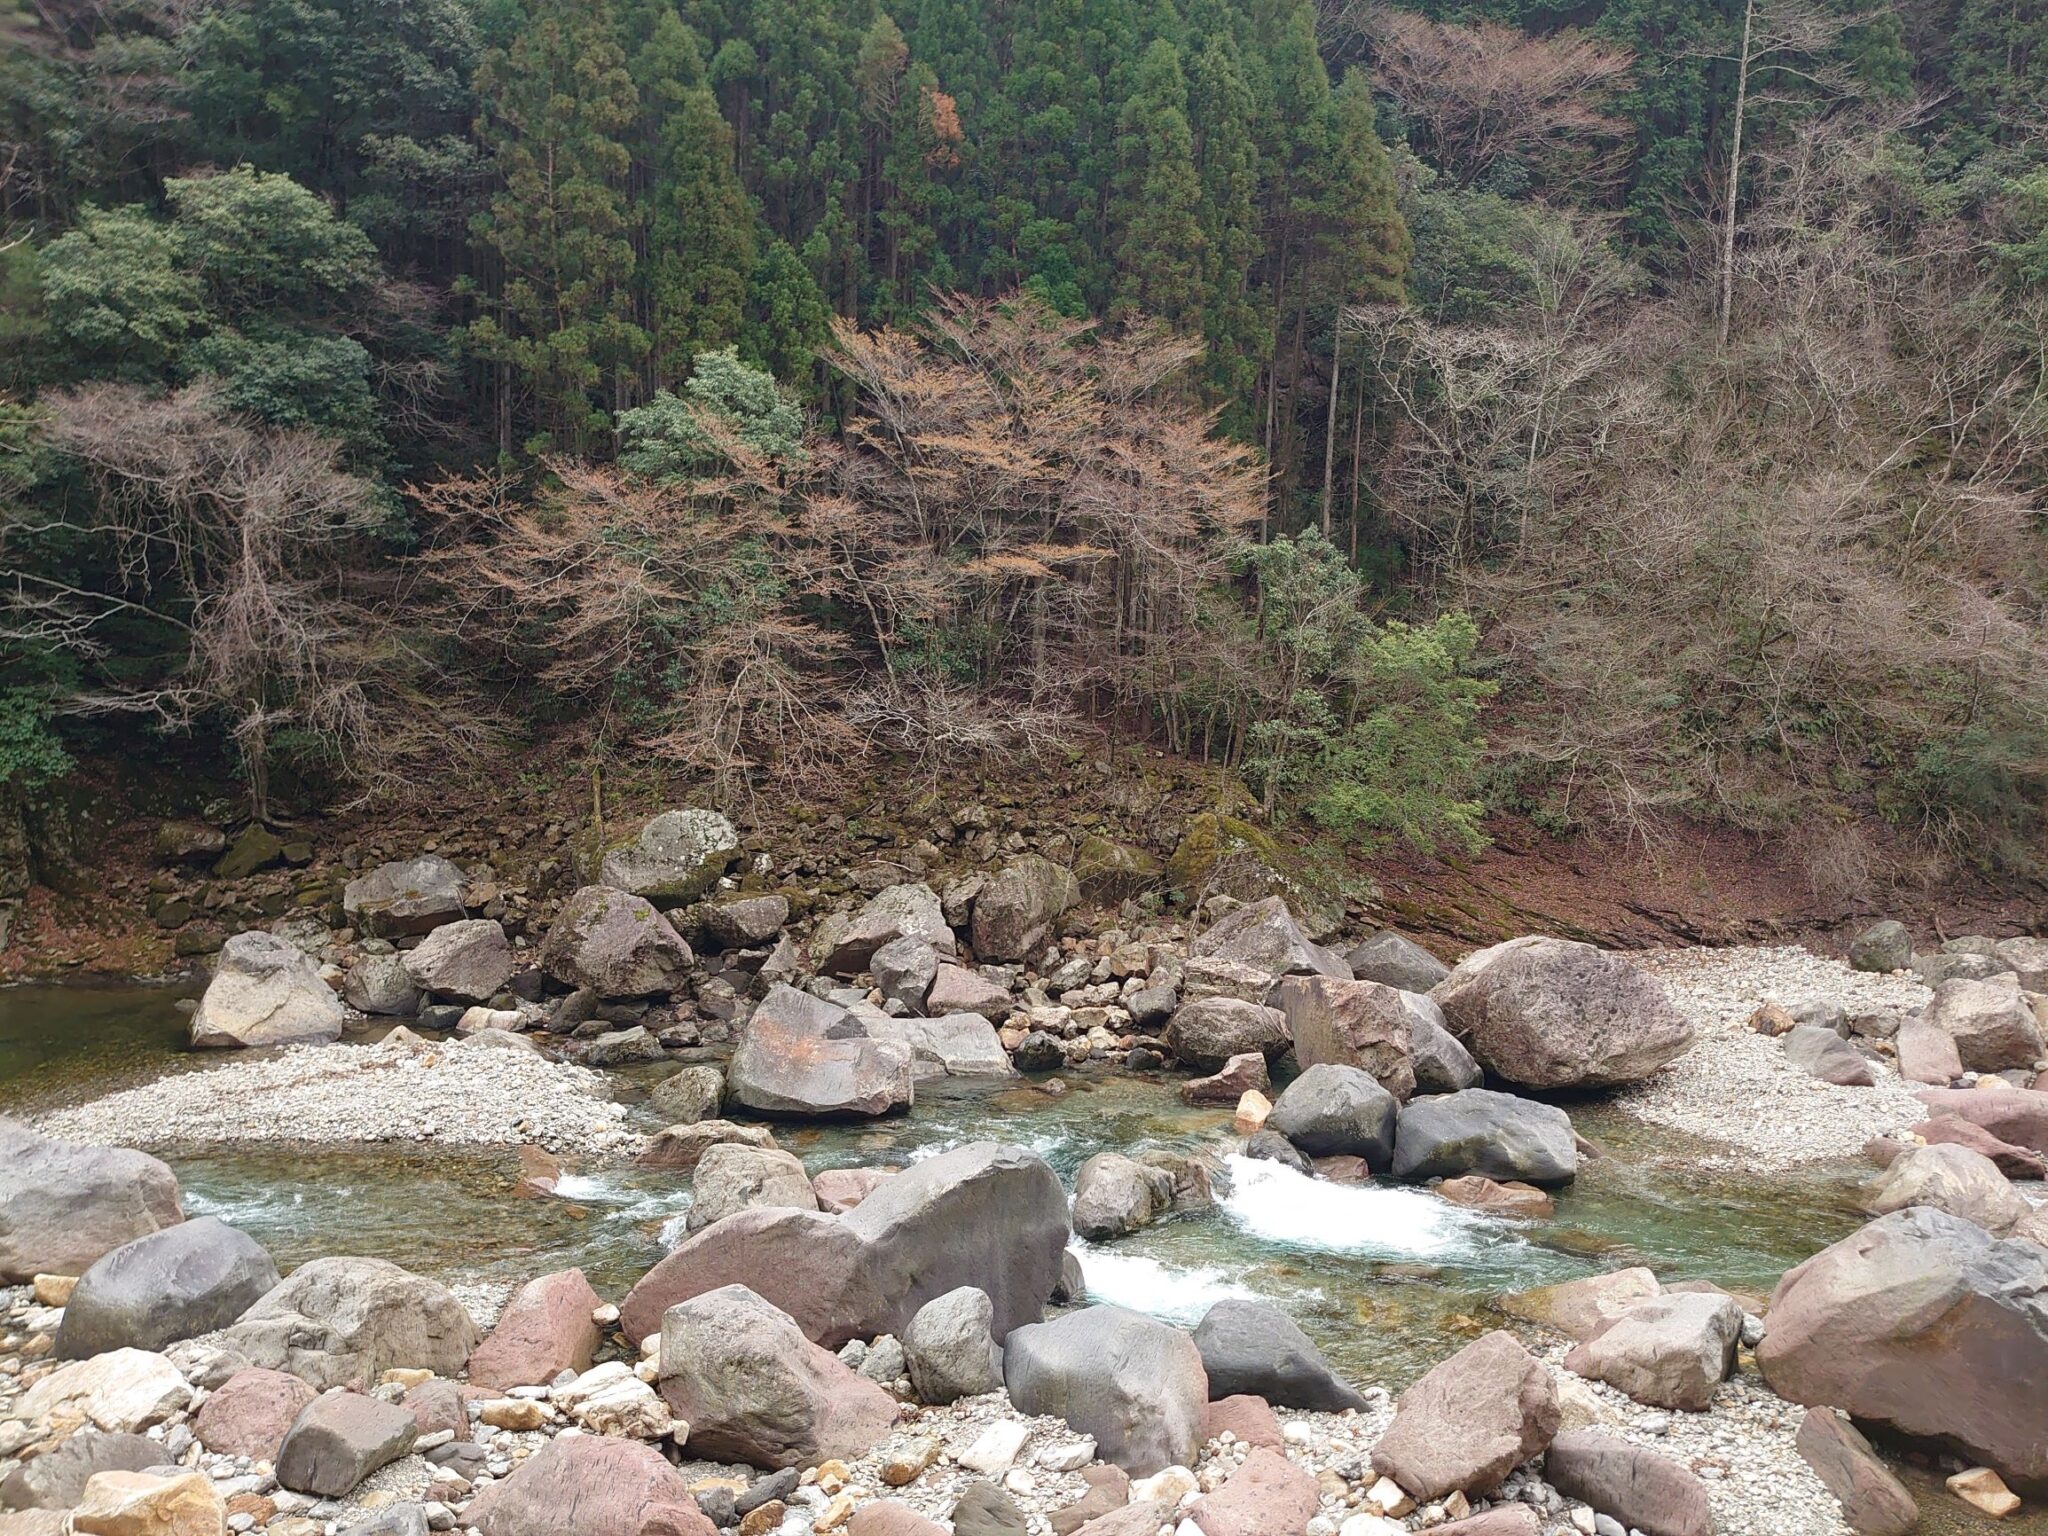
{"x":1384,"y":1278}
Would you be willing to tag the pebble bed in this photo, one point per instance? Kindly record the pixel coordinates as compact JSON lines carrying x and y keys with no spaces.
{"x":1736,"y":1086}
{"x":463,"y":1093}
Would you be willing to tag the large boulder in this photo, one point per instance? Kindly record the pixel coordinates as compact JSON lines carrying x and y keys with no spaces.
{"x":1927,"y":1324}
{"x":56,"y":1479}
{"x":468,"y":961}
{"x":1670,"y":1351}
{"x":903,"y":970}
{"x":687,"y":1096}
{"x":986,"y":1215}
{"x":380,"y":984}
{"x":2014,"y":1162}
{"x":1338,"y":1111}
{"x":734,"y":1177}
{"x":343,"y":1322}
{"x":1952,"y":1178}
{"x":1552,"y":1013}
{"x":803,"y":1056}
{"x":1387,"y":957}
{"x":955,"y":989}
{"x":950,"y":1348}
{"x":148,"y":1504}
{"x":1470,"y":1421}
{"x":1253,"y":1348}
{"x":1481,"y":1131}
{"x":63,"y":1205}
{"x":616,"y":944}
{"x":1115,"y":1194}
{"x":339,"y":1439}
{"x":1927,"y":1054}
{"x":248,"y":1414}
{"x":1209,"y":1031}
{"x":1990,"y":1022}
{"x":1361,"y":1024}
{"x":1637,"y":1488}
{"x":1580,"y":1308}
{"x":184,"y":1280}
{"x":410,"y":896}
{"x":1265,"y":934}
{"x":546,"y":1328}
{"x":1267,"y":1495}
{"x":1134,"y":1383}
{"x":1109,"y":872}
{"x":680,"y":1148}
{"x":955,"y":1045}
{"x":895,"y":912}
{"x":677,"y":858}
{"x":2028,"y":956}
{"x":590,"y":1485}
{"x":1874,"y":1502}
{"x":1016,"y":914}
{"x":266,"y":991}
{"x":754,"y":1389}
{"x":2018,"y":1116}
{"x":1442,"y":1064}
{"x":740,"y":922}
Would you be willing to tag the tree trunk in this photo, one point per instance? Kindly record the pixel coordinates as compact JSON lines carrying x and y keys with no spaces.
{"x":1727,"y":304}
{"x":1330,"y":419}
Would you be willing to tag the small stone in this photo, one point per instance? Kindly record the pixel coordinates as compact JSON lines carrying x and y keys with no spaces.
{"x":995,"y":1449}
{"x":515,"y":1413}
{"x":1982,"y":1489}
{"x":903,"y":1466}
{"x":54,"y":1290}
{"x":1388,"y":1498}
{"x":1252,"y":1111}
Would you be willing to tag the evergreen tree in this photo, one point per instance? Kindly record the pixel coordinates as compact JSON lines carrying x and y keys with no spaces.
{"x":1222,"y":112}
{"x":559,"y":327}
{"x":788,"y":319}
{"x":1159,"y":249}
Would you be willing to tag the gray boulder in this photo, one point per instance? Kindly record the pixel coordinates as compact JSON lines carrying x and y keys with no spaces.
{"x":1480,"y":1131}
{"x":741,"y":922}
{"x":1636,"y":1488}
{"x":956,"y":1045}
{"x":63,"y":1205}
{"x":266,"y":991}
{"x":1264,"y":934}
{"x":1387,"y":957}
{"x":340,"y":1439}
{"x":56,"y":1479}
{"x":950,"y":1347}
{"x":1470,"y":1421}
{"x":1882,"y":947}
{"x":1442,"y":1064}
{"x":410,"y":896}
{"x":380,"y":984}
{"x":1953,"y":1178}
{"x":1669,"y":1351}
{"x":986,"y":1215}
{"x":955,"y":989}
{"x":895,"y":912}
{"x":690,"y":1095}
{"x":2028,"y":958}
{"x":1360,"y":1024}
{"x":1209,"y":1031}
{"x":174,"y":1284}
{"x":1115,"y":1195}
{"x":1270,"y":1146}
{"x":1551,"y":1013}
{"x":468,"y":961}
{"x":1252,"y":1347}
{"x":1016,"y":914}
{"x":734,"y":1177}
{"x":1335,"y":1111}
{"x":1820,"y":1052}
{"x":678,"y":856}
{"x":1990,"y":1022}
{"x":803,"y":1056}
{"x":616,"y":944}
{"x":904,"y":970}
{"x":1927,"y":1324}
{"x":343,"y":1322}
{"x":618,"y":1047}
{"x":1136,"y":1384}
{"x":754,"y":1389}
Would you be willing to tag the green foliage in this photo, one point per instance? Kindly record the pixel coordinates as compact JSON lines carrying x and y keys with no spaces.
{"x":258,"y":241}
{"x":30,"y":753}
{"x":1471,"y":261}
{"x":294,"y":380}
{"x":119,"y":296}
{"x":1159,"y":244}
{"x":666,"y":439}
{"x":787,"y":317}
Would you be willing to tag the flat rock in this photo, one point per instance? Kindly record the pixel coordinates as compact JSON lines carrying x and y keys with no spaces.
{"x":956,"y":1045}
{"x":1669,"y":1351}
{"x":1470,"y":1421}
{"x":1552,"y":1013}
{"x":682,"y":1147}
{"x":250,"y":1412}
{"x":122,"y":1391}
{"x":1578,"y":1309}
{"x":590,"y":1485}
{"x":1641,"y":1489}
{"x":407,"y":896}
{"x":144,"y":1504}
{"x":1874,"y":1502}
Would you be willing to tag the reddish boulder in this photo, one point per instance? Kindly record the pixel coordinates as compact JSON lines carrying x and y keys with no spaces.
{"x":545,"y":1329}
{"x":1267,"y":1495}
{"x":891,"y":1517}
{"x":249,"y":1414}
{"x":1472,"y":1420}
{"x":2014,"y":1162}
{"x":1644,"y":1491}
{"x":1109,"y":1489}
{"x":590,"y":1485}
{"x":1362,"y":1024}
{"x":2016,"y":1115}
{"x":1927,"y":1054}
{"x":1510,"y":1198}
{"x":1249,"y":1418}
{"x":443,"y":1404}
{"x":1241,"y":1074}
{"x":839,"y":1190}
{"x":1924,"y":1322}
{"x":1874,"y":1502}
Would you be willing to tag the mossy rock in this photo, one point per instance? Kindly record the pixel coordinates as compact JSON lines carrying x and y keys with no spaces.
{"x":257,"y":848}
{"x":1110,"y":871}
{"x":1221,"y":855}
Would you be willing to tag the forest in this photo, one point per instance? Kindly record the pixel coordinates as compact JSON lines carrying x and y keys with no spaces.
{"x":1628,"y":414}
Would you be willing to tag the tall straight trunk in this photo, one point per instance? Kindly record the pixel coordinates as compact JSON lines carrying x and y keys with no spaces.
{"x":1727,"y":304}
{"x":1330,"y":419}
